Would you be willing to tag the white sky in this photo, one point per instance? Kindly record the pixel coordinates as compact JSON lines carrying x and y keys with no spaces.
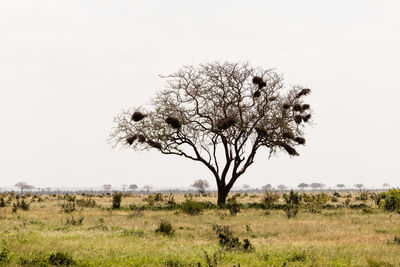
{"x":67,"y":67}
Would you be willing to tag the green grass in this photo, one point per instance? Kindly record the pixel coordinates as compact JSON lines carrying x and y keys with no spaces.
{"x":106,"y":237}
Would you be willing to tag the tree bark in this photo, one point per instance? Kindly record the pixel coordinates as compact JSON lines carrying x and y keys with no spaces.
{"x":222,"y":194}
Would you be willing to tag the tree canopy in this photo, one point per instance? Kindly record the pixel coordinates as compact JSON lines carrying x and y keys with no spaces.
{"x":219,"y":114}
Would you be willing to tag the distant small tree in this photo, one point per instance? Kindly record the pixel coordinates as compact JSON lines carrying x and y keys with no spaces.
{"x":246,"y":187}
{"x":124,"y":187}
{"x":340,"y":186}
{"x":24,"y":186}
{"x":315,"y":186}
{"x":359,"y":186}
{"x":133,"y":187}
{"x":281,"y":187}
{"x":147,"y":187}
{"x":386,"y":185}
{"x":107,"y":187}
{"x":302,"y":186}
{"x":201,"y":186}
{"x":267,"y":187}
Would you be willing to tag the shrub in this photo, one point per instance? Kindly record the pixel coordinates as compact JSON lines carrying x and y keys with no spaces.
{"x":165,"y":228}
{"x":116,"y":201}
{"x":233,"y":205}
{"x":2,"y":202}
{"x":192,"y":207}
{"x":392,"y":201}
{"x":68,"y":207}
{"x":86,"y":203}
{"x":269,"y":199}
{"x":228,"y":242}
{"x":5,"y":254}
{"x":336,"y":194}
{"x":292,"y":204}
{"x":74,"y":222}
{"x":61,"y":259}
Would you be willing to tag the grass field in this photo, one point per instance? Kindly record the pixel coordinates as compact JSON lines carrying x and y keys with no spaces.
{"x":340,"y":236}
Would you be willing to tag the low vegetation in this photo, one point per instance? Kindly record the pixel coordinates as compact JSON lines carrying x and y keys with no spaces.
{"x":271,"y":229}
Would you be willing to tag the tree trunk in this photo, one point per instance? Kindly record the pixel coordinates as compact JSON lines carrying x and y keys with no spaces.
{"x":222,"y":194}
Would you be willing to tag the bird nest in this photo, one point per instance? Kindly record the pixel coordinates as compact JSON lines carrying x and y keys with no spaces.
{"x":173,"y":122}
{"x":300,"y":140}
{"x":226,"y":123}
{"x":138,"y":116}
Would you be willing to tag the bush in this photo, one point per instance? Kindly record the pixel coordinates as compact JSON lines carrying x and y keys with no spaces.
{"x":2,"y":202}
{"x":37,"y":261}
{"x":116,"y":201}
{"x":192,"y":207}
{"x":165,"y":228}
{"x":61,"y":259}
{"x":228,"y":242}
{"x":292,"y":204}
{"x":68,"y":207}
{"x":86,"y":203}
{"x":74,"y":222}
{"x":232,"y":205}
{"x":5,"y":254}
{"x":269,"y":199}
{"x":392,"y":201}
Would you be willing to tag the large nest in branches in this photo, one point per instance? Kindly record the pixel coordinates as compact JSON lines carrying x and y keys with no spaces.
{"x":300,"y":140}
{"x":297,"y":107}
{"x":173,"y":122}
{"x":257,"y":80}
{"x":257,"y":93}
{"x":262,"y":84}
{"x":288,"y":135}
{"x":138,"y":116}
{"x":298,"y":119}
{"x":307,"y":117}
{"x":141,"y":138}
{"x":154,"y":144}
{"x":290,"y":150}
{"x":272,"y":98}
{"x":131,"y":139}
{"x":304,"y":91}
{"x":261,"y":131}
{"x":224,"y":124}
{"x":286,"y":106}
{"x":305,"y":107}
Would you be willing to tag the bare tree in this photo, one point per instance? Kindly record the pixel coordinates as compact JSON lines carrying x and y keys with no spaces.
{"x":267,"y":187}
{"x":106,"y":187}
{"x":23,"y":186}
{"x":220,"y":115}
{"x":246,"y":187}
{"x":315,"y":186}
{"x":124,"y":187}
{"x":386,"y":185}
{"x":133,"y":187}
{"x":147,"y":187}
{"x":281,"y":187}
{"x":359,"y":186}
{"x":302,"y":186}
{"x":201,"y":186}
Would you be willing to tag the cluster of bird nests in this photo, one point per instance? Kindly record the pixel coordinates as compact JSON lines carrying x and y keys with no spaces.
{"x":261,"y":84}
{"x":289,"y":135}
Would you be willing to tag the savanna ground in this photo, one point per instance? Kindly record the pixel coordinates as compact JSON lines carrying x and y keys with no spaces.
{"x":339,"y":233}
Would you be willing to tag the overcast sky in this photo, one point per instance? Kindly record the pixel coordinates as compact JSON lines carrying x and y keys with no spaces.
{"x":68,"y":67}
